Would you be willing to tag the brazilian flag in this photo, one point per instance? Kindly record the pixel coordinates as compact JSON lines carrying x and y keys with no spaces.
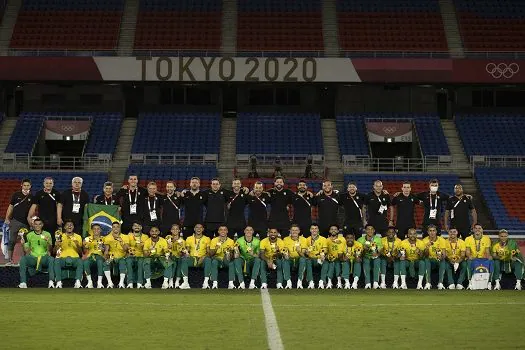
{"x":104,"y":215}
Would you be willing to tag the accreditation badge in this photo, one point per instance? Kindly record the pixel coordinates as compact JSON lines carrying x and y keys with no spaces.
{"x":76,"y":208}
{"x":133,"y":209}
{"x":153,"y":215}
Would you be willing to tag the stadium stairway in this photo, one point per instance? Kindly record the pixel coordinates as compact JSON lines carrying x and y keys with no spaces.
{"x":128,"y":27}
{"x":330,"y":30}
{"x":227,"y":151}
{"x":455,"y":146}
{"x":6,"y":129}
{"x":450,"y":23}
{"x":470,"y":186}
{"x":8,"y":24}
{"x":229,"y":28}
{"x":123,"y":150}
{"x":332,"y":157}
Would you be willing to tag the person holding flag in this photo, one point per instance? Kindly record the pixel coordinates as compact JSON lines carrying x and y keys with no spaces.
{"x":271,"y":254}
{"x":177,"y":249}
{"x":197,"y":256}
{"x":68,"y":252}
{"x":336,"y":247}
{"x":507,"y":258}
{"x":411,"y":255}
{"x":38,"y":249}
{"x":390,"y":256}
{"x":94,"y":255}
{"x":352,"y":261}
{"x":157,"y":255}
{"x":316,"y":249}
{"x":249,"y":247}
{"x":372,"y":247}
{"x":435,"y":251}
{"x":116,"y":250}
{"x":294,"y":256}
{"x":221,"y":252}
{"x":135,"y":258}
{"x":455,"y":259}
{"x":478,"y":247}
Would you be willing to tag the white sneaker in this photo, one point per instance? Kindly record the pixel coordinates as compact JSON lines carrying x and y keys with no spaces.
{"x":147,"y":285}
{"x":452,"y":286}
{"x":170,"y":284}
{"x":252,"y":285}
{"x":459,"y":287}
{"x":77,"y":285}
{"x":140,"y":286}
{"x":497,"y":286}
{"x":288,"y":284}
{"x":58,"y":284}
{"x":242,"y":285}
{"x":404,"y":286}
{"x":368,"y":286}
{"x":110,"y":286}
{"x":205,"y":285}
{"x":354,"y":285}
{"x":489,"y":286}
{"x":51,"y":284}
{"x":440,"y":286}
{"x":395,"y":285}
{"x":231,"y":285}
{"x":165,"y":285}
{"x":469,"y":286}
{"x":215,"y":285}
{"x":100,"y":286}
{"x":279,"y":286}
{"x":339,"y":285}
{"x":382,"y":286}
{"x":130,"y":286}
{"x":185,"y":285}
{"x":329,"y":284}
{"x":347,"y":285}
{"x":89,"y":285}
{"x":311,"y":285}
{"x":24,"y":285}
{"x":376,"y":285}
{"x":121,"y":286}
{"x":264,"y":286}
{"x":518,"y":285}
{"x":299,"y":284}
{"x":321,"y":285}
{"x":428,"y":286}
{"x":419,"y":286}
{"x":177,"y":284}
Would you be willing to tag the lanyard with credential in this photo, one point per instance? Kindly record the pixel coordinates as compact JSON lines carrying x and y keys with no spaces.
{"x":172,"y":202}
{"x":435,"y":201}
{"x":357,"y":205}
{"x":262,"y":202}
{"x":22,"y":201}
{"x":76,"y":199}
{"x":136,"y":194}
{"x":304,"y":199}
{"x":154,"y":202}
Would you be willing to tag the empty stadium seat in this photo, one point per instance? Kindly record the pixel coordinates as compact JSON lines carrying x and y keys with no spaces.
{"x":503,"y":190}
{"x":279,"y":134}
{"x":25,"y":134}
{"x":179,"y":25}
{"x":277,"y":26}
{"x":351,"y":133}
{"x":492,"y":134}
{"x":71,"y":25}
{"x":390,"y":25}
{"x":180,"y":175}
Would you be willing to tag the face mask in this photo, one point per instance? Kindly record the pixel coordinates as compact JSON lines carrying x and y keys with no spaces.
{"x":434,"y":188}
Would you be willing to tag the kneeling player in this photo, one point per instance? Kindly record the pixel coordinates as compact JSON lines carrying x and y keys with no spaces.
{"x":177,"y":248}
{"x":248,"y":259}
{"x":38,"y":248}
{"x":68,"y":251}
{"x":117,"y":246}
{"x":221,"y":252}
{"x":352,"y":260}
{"x":94,"y":253}
{"x":507,"y":258}
{"x":157,"y":256}
{"x":435,"y":251}
{"x":390,"y":256}
{"x":135,"y":259}
{"x":411,"y":255}
{"x":294,"y":257}
{"x":336,"y":246}
{"x":372,"y":246}
{"x":316,"y":247}
{"x":271,"y":248}
{"x":197,"y":246}
{"x":455,"y":259}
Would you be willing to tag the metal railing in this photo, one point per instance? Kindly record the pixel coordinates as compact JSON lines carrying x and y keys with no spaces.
{"x":402,"y":164}
{"x":497,"y":162}
{"x":173,"y":159}
{"x":285,"y":159}
{"x":24,"y":161}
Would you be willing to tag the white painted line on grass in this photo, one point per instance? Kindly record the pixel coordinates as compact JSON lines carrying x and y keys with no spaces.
{"x":272,"y":328}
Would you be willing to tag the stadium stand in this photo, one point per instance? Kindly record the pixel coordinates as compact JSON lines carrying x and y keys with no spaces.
{"x":181,"y":175}
{"x":275,"y":25}
{"x":390,"y":25}
{"x":491,"y":25}
{"x":495,"y":134}
{"x":191,"y":26}
{"x":68,"y":24}
{"x":2,"y":9}
{"x":279,"y":134}
{"x":503,"y":190}
{"x":431,"y":136}
{"x":25,"y":134}
{"x":104,"y":133}
{"x":351,"y":133}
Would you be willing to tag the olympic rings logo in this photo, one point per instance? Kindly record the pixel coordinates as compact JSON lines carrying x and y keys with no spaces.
{"x":502,"y":70}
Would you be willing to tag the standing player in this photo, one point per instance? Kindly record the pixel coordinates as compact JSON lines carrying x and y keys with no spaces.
{"x":372,"y":247}
{"x":303,"y":201}
{"x":271,"y":256}
{"x":258,"y":209}
{"x":294,"y":256}
{"x":68,"y":252}
{"x":171,"y":204}
{"x":328,"y":204}
{"x":38,"y":248}
{"x":197,"y":246}
{"x":376,"y":206}
{"x":107,"y":197}
{"x":17,"y":215}
{"x":116,"y":250}
{"x":352,"y":261}
{"x":404,"y":203}
{"x":280,"y":199}
{"x":390,"y":257}
{"x":248,"y":259}
{"x":221,"y":252}
{"x":353,"y":202}
{"x":45,"y":201}
{"x":507,"y":258}
{"x":236,"y":204}
{"x":157,"y":255}
{"x":412,"y":254}
{"x":193,"y":201}
{"x":135,"y":259}
{"x":435,"y":251}
{"x":152,"y":215}
{"x":316,"y":249}
{"x":132,"y":202}
{"x":72,"y":203}
{"x":478,"y":247}
{"x":455,"y":255}
{"x":459,"y":209}
{"x":177,"y":248}
{"x":336,"y":246}
{"x":433,"y":201}
{"x":215,"y":201}
{"x":94,"y":255}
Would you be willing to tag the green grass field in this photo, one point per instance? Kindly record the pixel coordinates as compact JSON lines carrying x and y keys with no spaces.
{"x":196,"y":319}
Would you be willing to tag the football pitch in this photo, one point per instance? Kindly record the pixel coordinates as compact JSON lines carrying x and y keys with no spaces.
{"x":225,"y":319}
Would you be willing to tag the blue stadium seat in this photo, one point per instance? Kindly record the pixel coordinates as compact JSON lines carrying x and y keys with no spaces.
{"x":171,"y":172}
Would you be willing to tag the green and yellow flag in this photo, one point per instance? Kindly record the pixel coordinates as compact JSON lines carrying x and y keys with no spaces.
{"x":104,"y":215}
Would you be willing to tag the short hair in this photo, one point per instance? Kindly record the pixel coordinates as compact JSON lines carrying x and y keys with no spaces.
{"x":115,"y":223}
{"x":433,"y":181}
{"x":133,"y":223}
{"x":108,"y":183}
{"x":95,"y":224}
{"x":48,"y":178}
{"x":274,"y":228}
{"x":349,"y":233}
{"x":77,"y":178}
{"x":68,"y":220}
{"x":171,"y":182}
{"x":431,"y":226}
{"x":154,"y":227}
{"x":351,"y":183}
{"x":376,"y":181}
{"x":133,"y":175}
{"x":175,"y":225}
{"x":314,"y":225}
{"x":258,"y":183}
{"x":326,"y":180}
{"x":406,"y":182}
{"x":478,"y":224}
{"x":24,"y":180}
{"x":500,"y":231}
{"x":37,"y":219}
{"x":303,"y":181}
{"x":369,"y":225}
{"x":152,"y":183}
{"x":334,"y":225}
{"x":295,"y":225}
{"x":195,"y":178}
{"x":392,"y":228}
{"x":216,"y":179}
{"x":278,"y":178}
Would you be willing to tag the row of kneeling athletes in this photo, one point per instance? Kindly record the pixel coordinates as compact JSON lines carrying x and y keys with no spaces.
{"x":339,"y":257}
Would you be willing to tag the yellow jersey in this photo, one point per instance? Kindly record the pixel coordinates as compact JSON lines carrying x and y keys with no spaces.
{"x":177,"y":246}
{"x":291,"y":246}
{"x":412,"y":250}
{"x":478,"y":248}
{"x":221,"y":247}
{"x":94,"y":246}
{"x":336,"y":247}
{"x":70,"y":246}
{"x":115,"y":248}
{"x":354,"y":251}
{"x":455,"y":250}
{"x":136,"y":244}
{"x":156,"y":249}
{"x":314,"y":248}
{"x":271,"y":248}
{"x":436,"y":249}
{"x":390,"y":249}
{"x":198,"y":247}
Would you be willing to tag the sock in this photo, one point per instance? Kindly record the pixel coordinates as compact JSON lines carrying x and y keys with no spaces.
{"x":206,"y":279}
{"x":177,"y":280}
{"x":148,"y":280}
{"x":252,"y":281}
{"x":497,"y":281}
{"x":396,"y":278}
{"x":88,"y":277}
{"x":108,"y":277}
{"x":338,"y":279}
{"x":518,"y":282}
{"x":185,"y":279}
{"x":383,"y":278}
{"x":122,"y":278}
{"x":356,"y":279}
{"x":403,"y":279}
{"x":165,"y":280}
{"x":420,"y":280}
{"x":347,"y":281}
{"x":99,"y":281}
{"x":170,"y":280}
